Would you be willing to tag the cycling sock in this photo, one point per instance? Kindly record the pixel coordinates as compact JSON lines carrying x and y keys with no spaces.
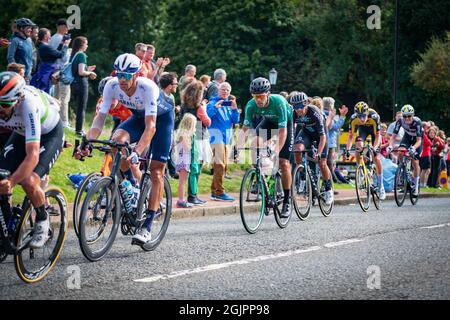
{"x":129,"y":175}
{"x":41,"y":214}
{"x":287,"y":194}
{"x":148,"y":222}
{"x":328,"y":185}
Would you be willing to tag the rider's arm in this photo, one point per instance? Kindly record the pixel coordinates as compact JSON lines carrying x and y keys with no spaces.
{"x":418,"y":143}
{"x":103,"y":111}
{"x":97,"y":126}
{"x":377,"y":142}
{"x":29,"y":163}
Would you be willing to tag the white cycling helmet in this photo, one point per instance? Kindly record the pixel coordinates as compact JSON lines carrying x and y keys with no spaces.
{"x":128,"y":63}
{"x":298,"y":98}
{"x":11,"y":86}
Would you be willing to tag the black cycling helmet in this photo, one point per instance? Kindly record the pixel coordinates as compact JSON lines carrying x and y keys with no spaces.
{"x":24,"y":22}
{"x":259,"y":85}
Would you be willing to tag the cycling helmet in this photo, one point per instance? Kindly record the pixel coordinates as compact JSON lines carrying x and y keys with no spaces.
{"x":298,"y":98}
{"x":128,"y":63}
{"x":361,"y":107}
{"x":259,"y":85}
{"x":24,"y":22}
{"x":11,"y":86}
{"x":407,"y":110}
{"x":102,"y":84}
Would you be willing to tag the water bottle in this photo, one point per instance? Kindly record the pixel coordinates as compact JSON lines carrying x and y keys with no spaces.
{"x":271,"y":185}
{"x":127,"y":194}
{"x":136,"y":193}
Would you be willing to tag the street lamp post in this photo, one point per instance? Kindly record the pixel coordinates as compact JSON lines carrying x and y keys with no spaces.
{"x":273,"y":75}
{"x":396,"y":43}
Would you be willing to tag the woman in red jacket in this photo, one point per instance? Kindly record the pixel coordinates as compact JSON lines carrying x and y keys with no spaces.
{"x":425,"y":157}
{"x":437,"y":146}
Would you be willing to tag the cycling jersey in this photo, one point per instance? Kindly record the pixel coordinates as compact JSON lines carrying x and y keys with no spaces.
{"x":144,"y":100}
{"x":36,"y":114}
{"x":165,"y":103}
{"x":312,"y":122}
{"x":372,"y":124}
{"x":414,"y":129}
{"x":278,"y":111}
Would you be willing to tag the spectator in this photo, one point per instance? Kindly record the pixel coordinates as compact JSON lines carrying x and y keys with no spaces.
{"x":187,"y":155}
{"x":334,"y":124}
{"x":193,"y":104}
{"x":206,"y":80}
{"x":400,"y":134}
{"x":189,"y":72}
{"x":223,"y":113}
{"x":140,"y":50}
{"x":220,"y":76}
{"x":437,"y":146}
{"x":61,"y":90}
{"x":447,"y":156}
{"x":17,"y":68}
{"x":384,"y":140}
{"x":34,"y":43}
{"x":82,"y":73}
{"x":155,"y":68}
{"x":425,"y":157}
{"x":21,"y":49}
{"x":48,"y":56}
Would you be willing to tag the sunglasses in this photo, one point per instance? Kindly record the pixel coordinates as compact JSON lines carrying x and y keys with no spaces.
{"x":407,"y":117}
{"x":299,"y":107}
{"x":259,"y":96}
{"x":7,"y":104}
{"x":362,"y":116}
{"x":125,"y":75}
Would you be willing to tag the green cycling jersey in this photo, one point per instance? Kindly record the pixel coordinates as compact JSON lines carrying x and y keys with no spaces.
{"x":278,"y":111}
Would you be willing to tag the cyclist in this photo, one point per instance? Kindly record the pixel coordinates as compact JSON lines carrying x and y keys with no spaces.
{"x":365,"y":122}
{"x":276,"y":115}
{"x":34,"y":145}
{"x":311,"y":128}
{"x":412,"y":140}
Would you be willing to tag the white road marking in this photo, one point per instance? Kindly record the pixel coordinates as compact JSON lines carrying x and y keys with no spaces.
{"x":436,"y":226}
{"x":341,"y":243}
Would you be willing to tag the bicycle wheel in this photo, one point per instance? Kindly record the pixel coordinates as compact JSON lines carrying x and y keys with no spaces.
{"x":162,"y":218}
{"x":413,"y":198}
{"x":252,"y":201}
{"x":326,"y":209}
{"x":279,"y":198}
{"x":301,"y":192}
{"x":375,"y":191}
{"x":99,"y":219}
{"x":362,"y":187}
{"x":32,"y":265}
{"x":400,"y":185}
{"x":80,"y":196}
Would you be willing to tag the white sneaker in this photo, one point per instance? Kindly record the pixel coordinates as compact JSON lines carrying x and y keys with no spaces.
{"x":40,"y":234}
{"x":143,"y":236}
{"x":382,"y":194}
{"x":329,"y":197}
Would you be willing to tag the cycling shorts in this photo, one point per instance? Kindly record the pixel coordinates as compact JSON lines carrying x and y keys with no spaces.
{"x":268,"y":126}
{"x":308,"y":140}
{"x":409,"y":141}
{"x":162,"y":140}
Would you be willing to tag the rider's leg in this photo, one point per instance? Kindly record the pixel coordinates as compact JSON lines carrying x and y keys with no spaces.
{"x":286,"y":178}
{"x":326,"y":174}
{"x":379,"y":169}
{"x":31,"y":186}
{"x":122,"y":136}
{"x":157,"y":178}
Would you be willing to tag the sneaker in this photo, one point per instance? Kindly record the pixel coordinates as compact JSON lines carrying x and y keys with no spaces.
{"x":382,"y":194}
{"x":329,"y":197}
{"x":415,"y":192}
{"x":142,"y":236}
{"x":196,"y":201}
{"x":184,"y":205}
{"x":224,"y":197}
{"x":228,"y":177}
{"x":286,"y":211}
{"x":40,"y":234}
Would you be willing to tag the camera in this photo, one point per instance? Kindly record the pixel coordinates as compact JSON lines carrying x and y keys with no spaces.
{"x":226,"y":104}
{"x":66,"y":37}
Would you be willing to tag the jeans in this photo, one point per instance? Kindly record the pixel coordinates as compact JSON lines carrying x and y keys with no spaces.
{"x":80,"y":90}
{"x":62,"y":93}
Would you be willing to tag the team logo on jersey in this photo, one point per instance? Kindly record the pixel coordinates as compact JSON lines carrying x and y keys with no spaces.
{"x":8,"y":149}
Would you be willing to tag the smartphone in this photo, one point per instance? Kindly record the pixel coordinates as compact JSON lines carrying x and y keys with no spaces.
{"x":226,"y":103}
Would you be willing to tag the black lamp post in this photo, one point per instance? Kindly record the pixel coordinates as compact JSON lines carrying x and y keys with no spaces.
{"x":273,"y":75}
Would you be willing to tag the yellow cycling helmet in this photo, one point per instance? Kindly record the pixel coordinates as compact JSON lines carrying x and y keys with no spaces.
{"x":361,"y":107}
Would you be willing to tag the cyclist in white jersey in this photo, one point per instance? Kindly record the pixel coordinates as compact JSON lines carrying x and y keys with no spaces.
{"x":34,"y":145}
{"x":140,"y":95}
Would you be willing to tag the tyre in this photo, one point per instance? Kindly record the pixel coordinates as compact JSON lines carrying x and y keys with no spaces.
{"x":32,"y":265}
{"x":99,"y":219}
{"x":324,"y":208}
{"x":80,"y":196}
{"x":375,"y":191}
{"x":252,"y":201}
{"x":162,"y":217}
{"x":279,"y":198}
{"x":301,"y":192}
{"x":400,"y":185}
{"x":414,"y":199}
{"x":362,"y":187}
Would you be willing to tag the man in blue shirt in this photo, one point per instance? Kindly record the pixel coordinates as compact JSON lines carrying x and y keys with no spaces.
{"x":223,"y":113}
{"x":21,"y":49}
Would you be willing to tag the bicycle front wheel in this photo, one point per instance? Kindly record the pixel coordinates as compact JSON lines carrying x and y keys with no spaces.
{"x":279,"y":198}
{"x":252,"y":201}
{"x":413,"y":198}
{"x":80,"y":196}
{"x":99,"y":219}
{"x":325,"y":208}
{"x":161,"y":220}
{"x":362,"y":187}
{"x":302,"y":192}
{"x":400,"y":185}
{"x":375,"y":191}
{"x":32,"y":265}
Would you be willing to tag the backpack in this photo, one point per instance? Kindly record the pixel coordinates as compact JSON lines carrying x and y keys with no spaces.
{"x":67,"y":76}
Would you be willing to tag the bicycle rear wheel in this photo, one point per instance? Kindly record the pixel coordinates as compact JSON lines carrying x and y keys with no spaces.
{"x":279,"y":198}
{"x":400,"y":185}
{"x":80,"y":196}
{"x":362,"y":189}
{"x":301,"y":192}
{"x":375,"y":191}
{"x":32,"y":265}
{"x":325,"y":208}
{"x":252,"y":201}
{"x":161,"y":220}
{"x":99,"y":219}
{"x":414,"y":199}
